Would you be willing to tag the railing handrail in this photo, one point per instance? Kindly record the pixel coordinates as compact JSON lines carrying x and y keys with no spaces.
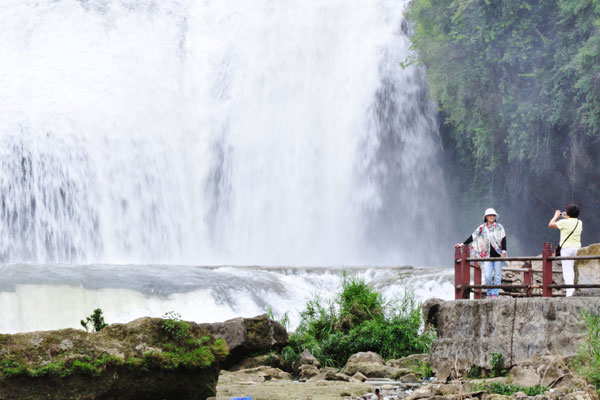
{"x":532,"y":258}
{"x":463,"y":263}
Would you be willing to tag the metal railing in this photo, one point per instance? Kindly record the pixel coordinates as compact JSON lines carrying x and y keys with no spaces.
{"x":463,"y":264}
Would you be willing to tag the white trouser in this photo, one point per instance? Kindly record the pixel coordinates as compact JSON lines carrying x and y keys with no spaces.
{"x":568,"y":267}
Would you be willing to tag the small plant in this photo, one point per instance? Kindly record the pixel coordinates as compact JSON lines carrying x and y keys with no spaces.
{"x":96,"y":320}
{"x":423,"y":369}
{"x":289,"y":356}
{"x":175,"y":328}
{"x":475,"y":372}
{"x":498,"y":365}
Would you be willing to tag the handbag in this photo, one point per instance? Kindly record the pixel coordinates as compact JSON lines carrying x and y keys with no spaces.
{"x":558,"y":246}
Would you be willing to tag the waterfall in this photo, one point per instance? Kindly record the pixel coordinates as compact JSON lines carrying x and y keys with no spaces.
{"x":239,"y":132}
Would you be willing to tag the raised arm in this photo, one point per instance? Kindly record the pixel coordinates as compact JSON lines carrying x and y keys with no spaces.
{"x":552,"y":223}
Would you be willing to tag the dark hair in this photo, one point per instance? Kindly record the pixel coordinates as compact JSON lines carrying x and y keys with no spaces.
{"x":572,"y":210}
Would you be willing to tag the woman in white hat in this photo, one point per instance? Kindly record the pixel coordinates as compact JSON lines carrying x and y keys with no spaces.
{"x":489,"y":241}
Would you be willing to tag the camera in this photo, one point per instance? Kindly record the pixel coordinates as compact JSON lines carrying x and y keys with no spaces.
{"x":563,"y":214}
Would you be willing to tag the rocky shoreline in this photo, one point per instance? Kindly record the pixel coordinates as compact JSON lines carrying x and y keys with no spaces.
{"x":153,"y":358}
{"x":268,"y":383}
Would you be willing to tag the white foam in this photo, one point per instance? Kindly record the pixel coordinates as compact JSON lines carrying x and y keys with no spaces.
{"x":45,"y":306}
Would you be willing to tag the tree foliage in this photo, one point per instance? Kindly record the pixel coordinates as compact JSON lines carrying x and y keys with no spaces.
{"x":517,"y":84}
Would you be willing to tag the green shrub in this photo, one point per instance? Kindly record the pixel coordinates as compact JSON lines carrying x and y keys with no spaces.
{"x":475,"y":372}
{"x":96,"y":320}
{"x":359,"y":319}
{"x":176,"y":329}
{"x":498,"y":365}
{"x":507,"y":389}
{"x":289,"y":355}
{"x":423,"y":369}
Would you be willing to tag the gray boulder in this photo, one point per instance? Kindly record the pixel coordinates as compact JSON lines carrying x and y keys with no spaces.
{"x":247,"y":336}
{"x":371,"y":365}
{"x":408,"y":362}
{"x":366,"y":357}
{"x":551,"y":371}
{"x":587,"y":271}
{"x":330,"y":376}
{"x":307,"y":371}
{"x":359,"y":377}
{"x":270,"y":360}
{"x":253,"y":376}
{"x":578,"y":396}
{"x":305,"y":358}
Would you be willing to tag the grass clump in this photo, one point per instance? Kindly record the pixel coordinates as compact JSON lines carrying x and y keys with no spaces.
{"x":587,"y":362}
{"x":359,"y":319}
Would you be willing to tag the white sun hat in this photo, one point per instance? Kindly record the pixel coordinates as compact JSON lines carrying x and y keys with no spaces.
{"x":490,"y":211}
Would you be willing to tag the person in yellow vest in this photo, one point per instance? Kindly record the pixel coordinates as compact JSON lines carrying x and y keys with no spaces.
{"x":570,"y":239}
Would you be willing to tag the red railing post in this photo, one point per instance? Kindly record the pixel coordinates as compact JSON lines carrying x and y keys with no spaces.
{"x":546,"y":270}
{"x":477,"y":280}
{"x":457,"y":272}
{"x":528,"y":278}
{"x":466,"y":272}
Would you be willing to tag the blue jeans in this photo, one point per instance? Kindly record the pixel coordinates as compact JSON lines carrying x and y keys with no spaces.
{"x":493,"y":275}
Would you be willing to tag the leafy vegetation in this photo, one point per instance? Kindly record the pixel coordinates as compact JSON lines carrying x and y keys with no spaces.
{"x":507,"y":389}
{"x":85,"y":366}
{"x":96,"y":321}
{"x":588,"y":358}
{"x":517,"y":85}
{"x":358,"y":319}
{"x":423,"y":369}
{"x":475,"y":372}
{"x":498,"y":365}
{"x":182,"y":348}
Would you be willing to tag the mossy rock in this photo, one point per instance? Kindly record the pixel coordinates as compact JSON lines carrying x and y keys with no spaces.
{"x":248,"y":337}
{"x":138,"y":360}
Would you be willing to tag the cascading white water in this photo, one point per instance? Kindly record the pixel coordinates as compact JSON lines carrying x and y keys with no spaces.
{"x":43,"y":297}
{"x":212,"y":132}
